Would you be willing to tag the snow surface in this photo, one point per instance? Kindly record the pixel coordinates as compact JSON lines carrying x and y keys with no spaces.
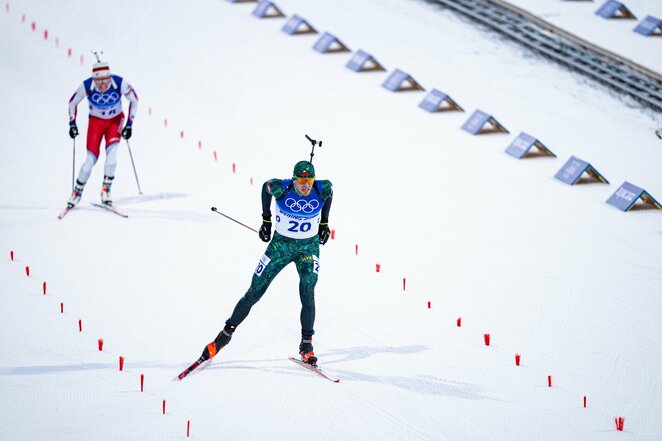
{"x":548,"y":270}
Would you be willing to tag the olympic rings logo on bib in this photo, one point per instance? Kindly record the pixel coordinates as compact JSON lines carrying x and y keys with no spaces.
{"x":302,"y":205}
{"x":105,"y":99}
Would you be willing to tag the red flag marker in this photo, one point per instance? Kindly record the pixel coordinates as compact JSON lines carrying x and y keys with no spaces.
{"x":199,"y":145}
{"x":517,"y":359}
{"x":27,"y":271}
{"x":459,"y":322}
{"x":404,"y":283}
{"x":121,"y":363}
{"x":356,"y":250}
{"x":181,"y":134}
{"x":11,"y":255}
{"x":234,"y":167}
{"x":80,"y":326}
{"x":69,"y":52}
{"x":33,"y":25}
{"x":486,"y":337}
{"x":549,"y":381}
{"x":164,"y":407}
{"x":333,"y":234}
{"x":44,"y":288}
{"x":378,"y":267}
{"x":142,"y":382}
{"x":584,"y":401}
{"x":101,"y":344}
{"x":215,"y":156}
{"x":45,"y":34}
{"x":429,"y":304}
{"x":188,"y":428}
{"x":61,"y":308}
{"x":621,"y":423}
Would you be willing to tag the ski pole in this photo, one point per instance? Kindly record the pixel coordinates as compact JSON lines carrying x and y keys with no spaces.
{"x":73,"y":167}
{"x":234,"y":220}
{"x":134,"y":166}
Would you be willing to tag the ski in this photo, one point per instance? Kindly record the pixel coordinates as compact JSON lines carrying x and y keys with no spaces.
{"x":314,"y":369}
{"x":64,"y":212}
{"x":111,"y":208}
{"x":191,"y":368}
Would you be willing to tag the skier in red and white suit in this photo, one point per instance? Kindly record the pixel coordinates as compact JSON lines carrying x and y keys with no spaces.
{"x":104,"y":94}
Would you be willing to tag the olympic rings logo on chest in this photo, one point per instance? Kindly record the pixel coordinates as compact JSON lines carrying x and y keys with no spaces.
{"x":105,"y":98}
{"x":302,"y":205}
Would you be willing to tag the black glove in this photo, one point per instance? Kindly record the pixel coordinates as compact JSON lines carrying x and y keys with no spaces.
{"x":323,"y":233}
{"x":265,"y":231}
{"x":73,"y":130}
{"x":126,"y":132}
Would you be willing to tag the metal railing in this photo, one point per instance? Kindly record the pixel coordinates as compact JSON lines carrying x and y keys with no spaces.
{"x":614,"y":71}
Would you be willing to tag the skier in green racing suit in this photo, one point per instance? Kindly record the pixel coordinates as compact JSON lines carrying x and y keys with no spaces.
{"x":302,"y":215}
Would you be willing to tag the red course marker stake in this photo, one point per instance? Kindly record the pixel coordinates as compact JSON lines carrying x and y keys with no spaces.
{"x":27,"y":271}
{"x":549,"y":381}
{"x":45,"y":34}
{"x":69,"y":52}
{"x":429,"y":304}
{"x":234,"y":168}
{"x":584,"y":401}
{"x":165,"y":122}
{"x":378,"y":267}
{"x":188,"y":428}
{"x":101,"y":344}
{"x":181,"y":134}
{"x":486,"y":337}
{"x":356,"y":250}
{"x":459,"y":322}
{"x":11,"y":255}
{"x":80,"y":326}
{"x":333,"y":234}
{"x":404,"y":283}
{"x":121,"y":363}
{"x":620,"y":422}
{"x":142,"y":382}
{"x":33,"y":25}
{"x":215,"y":156}
{"x":61,"y":308}
{"x":164,"y":407}
{"x":199,"y":144}
{"x":44,"y":288}
{"x":517,"y":359}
